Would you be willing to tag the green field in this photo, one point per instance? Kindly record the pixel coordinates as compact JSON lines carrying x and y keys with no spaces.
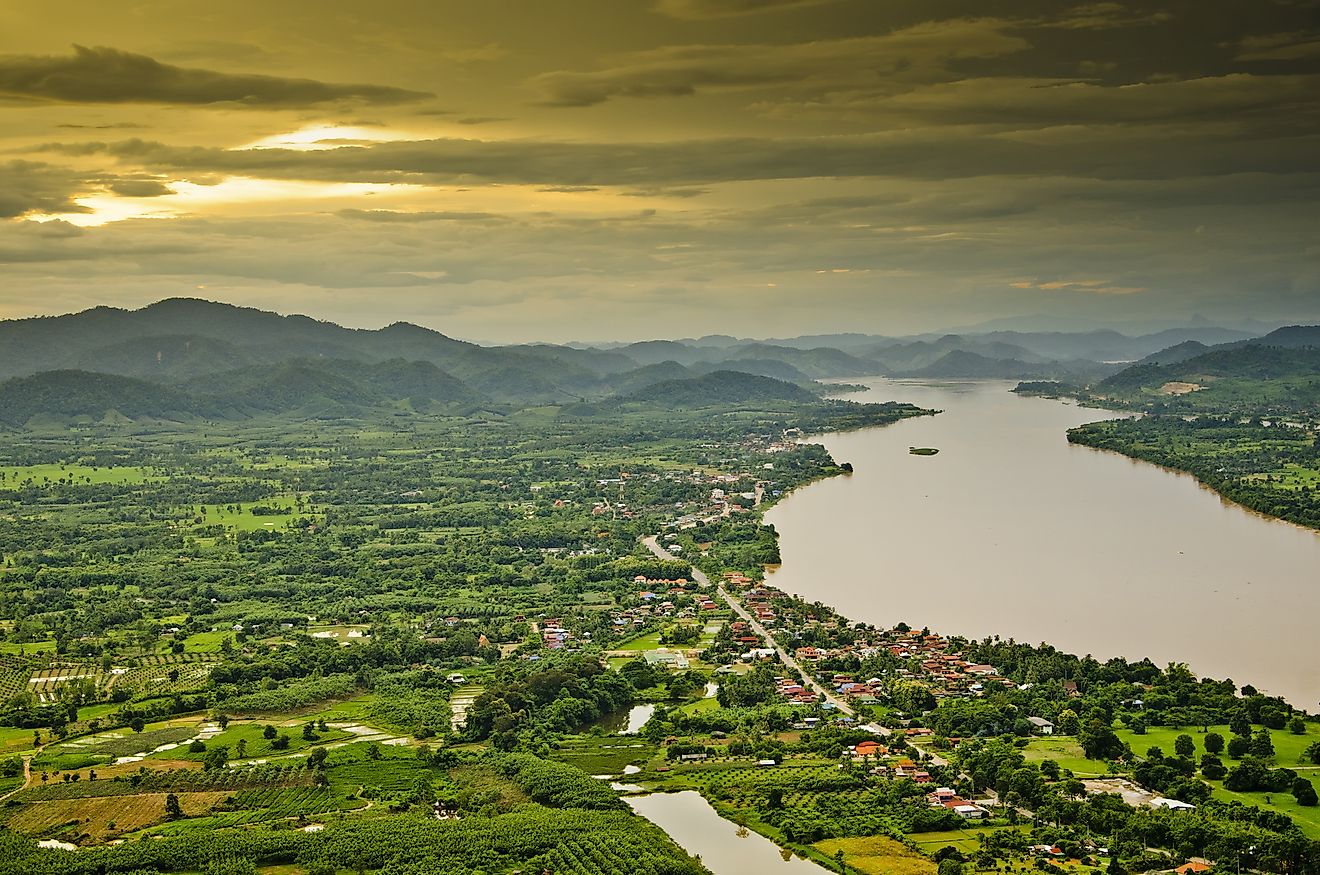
{"x":41,"y":475}
{"x":239,"y":517}
{"x":649,"y":641}
{"x":258,"y":746}
{"x":1287,"y":746}
{"x":1066,"y":752}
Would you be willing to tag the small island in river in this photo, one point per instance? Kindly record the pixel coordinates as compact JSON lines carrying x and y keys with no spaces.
{"x":923,"y":451}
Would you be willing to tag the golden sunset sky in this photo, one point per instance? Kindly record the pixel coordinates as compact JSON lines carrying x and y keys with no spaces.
{"x":590,"y":169}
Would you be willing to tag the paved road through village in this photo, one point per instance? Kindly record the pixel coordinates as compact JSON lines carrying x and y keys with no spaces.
{"x":653,"y":544}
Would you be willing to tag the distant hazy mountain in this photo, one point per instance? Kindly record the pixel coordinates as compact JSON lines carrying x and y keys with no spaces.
{"x":780,"y":370}
{"x":961,"y":364}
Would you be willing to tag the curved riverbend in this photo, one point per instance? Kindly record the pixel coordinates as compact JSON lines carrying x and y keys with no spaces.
{"x":1013,"y":531}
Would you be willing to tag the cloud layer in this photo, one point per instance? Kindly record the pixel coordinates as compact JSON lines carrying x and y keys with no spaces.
{"x":106,"y":75}
{"x":673,"y":167}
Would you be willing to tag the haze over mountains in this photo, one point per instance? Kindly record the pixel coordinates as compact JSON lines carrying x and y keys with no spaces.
{"x":183,"y":358}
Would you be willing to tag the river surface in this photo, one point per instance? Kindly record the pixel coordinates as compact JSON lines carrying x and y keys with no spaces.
{"x":698,"y":829}
{"x":1012,"y":531}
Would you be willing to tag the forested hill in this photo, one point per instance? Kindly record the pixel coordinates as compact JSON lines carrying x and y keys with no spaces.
{"x":720,"y":387}
{"x":1242,"y":379}
{"x":312,"y":389}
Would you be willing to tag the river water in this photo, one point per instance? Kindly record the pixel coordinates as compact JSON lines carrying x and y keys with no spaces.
{"x":698,"y":829}
{"x":1011,"y":530}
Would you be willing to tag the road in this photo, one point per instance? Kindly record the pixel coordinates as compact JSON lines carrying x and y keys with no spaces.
{"x":653,"y":544}
{"x":27,"y":778}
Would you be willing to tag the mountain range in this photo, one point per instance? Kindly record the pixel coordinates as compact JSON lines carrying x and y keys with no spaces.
{"x":182,"y":358}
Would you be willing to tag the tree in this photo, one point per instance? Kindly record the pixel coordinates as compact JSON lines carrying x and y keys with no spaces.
{"x":280,"y":742}
{"x":950,"y":866}
{"x":216,"y":758}
{"x":1214,"y":743}
{"x":268,"y":732}
{"x":316,"y":759}
{"x":1213,"y":767}
{"x":1239,"y":746}
{"x":1262,"y":745}
{"x":223,"y":720}
{"x":1297,"y":725}
{"x":1099,"y":742}
{"x":172,"y":808}
{"x":1304,"y":792}
{"x":137,"y":724}
{"x":1068,"y":722}
{"x":1183,"y":746}
{"x":240,"y":750}
{"x":1312,"y":753}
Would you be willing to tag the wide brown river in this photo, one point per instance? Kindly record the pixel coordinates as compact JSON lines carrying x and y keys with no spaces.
{"x":1012,"y":531}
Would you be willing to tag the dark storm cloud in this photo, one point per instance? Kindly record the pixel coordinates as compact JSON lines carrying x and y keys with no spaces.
{"x":139,"y":188}
{"x":704,"y":9}
{"x":107,"y":75}
{"x":911,"y":55}
{"x":1118,"y":152}
{"x":33,"y":187}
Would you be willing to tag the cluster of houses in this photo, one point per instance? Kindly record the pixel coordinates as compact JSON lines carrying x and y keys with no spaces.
{"x":794,"y":692}
{"x":554,"y":635}
{"x":654,"y":589}
{"x":926,"y":658}
{"x":943,"y":797}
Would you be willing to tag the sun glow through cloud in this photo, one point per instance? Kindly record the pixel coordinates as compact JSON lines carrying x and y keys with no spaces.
{"x":191,"y":198}
{"x":314,"y":138}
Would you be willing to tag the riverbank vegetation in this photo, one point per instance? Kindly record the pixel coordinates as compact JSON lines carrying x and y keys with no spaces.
{"x":1243,"y":419}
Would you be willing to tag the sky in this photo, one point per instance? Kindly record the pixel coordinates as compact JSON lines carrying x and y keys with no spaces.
{"x":514,"y":170}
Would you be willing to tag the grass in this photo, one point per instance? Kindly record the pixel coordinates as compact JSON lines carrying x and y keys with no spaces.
{"x":963,"y":839}
{"x":130,"y":744}
{"x":14,"y":649}
{"x":604,"y":755}
{"x":205,"y":642}
{"x":1287,"y":749}
{"x":877,"y":855}
{"x":243,"y":520}
{"x":98,"y":818}
{"x":710,"y":704}
{"x":13,"y":739}
{"x":258,"y":746}
{"x":1067,"y":753}
{"x":649,"y":641}
{"x":40,"y":475}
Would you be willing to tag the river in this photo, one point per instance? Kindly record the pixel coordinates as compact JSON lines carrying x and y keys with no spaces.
{"x":698,"y":829}
{"x":1012,"y":531}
